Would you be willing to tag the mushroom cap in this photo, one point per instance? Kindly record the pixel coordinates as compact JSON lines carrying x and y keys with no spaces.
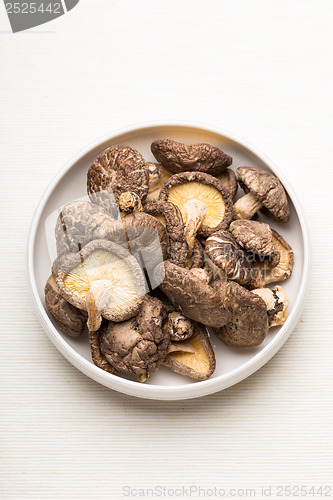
{"x":276,"y":302}
{"x":80,"y":222}
{"x":137,"y":346}
{"x":178,"y":326}
{"x":69,"y":319}
{"x":117,"y":170}
{"x":192,"y":295}
{"x":256,"y":237}
{"x":268,"y":189}
{"x":178,"y":157}
{"x":102,"y":261}
{"x":229,"y":180}
{"x":186,"y":186}
{"x":264,"y":273}
{"x":225,"y":253}
{"x":169,"y":215}
{"x":249,"y":324}
{"x":193,"y":357}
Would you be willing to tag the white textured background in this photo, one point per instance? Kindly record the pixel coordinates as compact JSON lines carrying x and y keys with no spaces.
{"x":261,"y":69}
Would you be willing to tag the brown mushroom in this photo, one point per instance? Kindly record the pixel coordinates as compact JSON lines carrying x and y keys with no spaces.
{"x":169,"y":215}
{"x":69,"y":319}
{"x":263,"y":273}
{"x":193,"y":357}
{"x":205,"y":204}
{"x":137,"y":346}
{"x":178,"y":326}
{"x":223,"y":250}
{"x":102,"y":279}
{"x":255,"y":237}
{"x":154,"y":185}
{"x":249,"y":323}
{"x":264,"y":191}
{"x":117,"y":170}
{"x":178,"y":157}
{"x":229,"y":180}
{"x":189,"y":291}
{"x":97,"y":356}
{"x":277,"y":302}
{"x":80,"y":222}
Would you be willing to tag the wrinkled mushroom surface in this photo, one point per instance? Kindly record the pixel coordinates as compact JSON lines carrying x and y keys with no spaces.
{"x":255,"y":237}
{"x":70,"y":319}
{"x":223,"y":250}
{"x":192,"y":295}
{"x":80,"y":222}
{"x":102,"y":279}
{"x":178,"y":157}
{"x":264,"y":191}
{"x":249,"y":323}
{"x":137,"y":346}
{"x":117,"y":170}
{"x":205,"y":204}
{"x":263,"y":273}
{"x":193,"y":357}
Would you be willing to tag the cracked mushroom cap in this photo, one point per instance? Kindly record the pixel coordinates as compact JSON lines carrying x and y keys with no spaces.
{"x":169,"y":215}
{"x":276,"y":302}
{"x":69,"y":319}
{"x":255,"y":237}
{"x":102,"y":279}
{"x":223,"y":250}
{"x":193,"y":357}
{"x":137,"y":346}
{"x":119,"y":169}
{"x":178,"y":157}
{"x":205,"y":204}
{"x":249,"y":323}
{"x":178,"y":326}
{"x":190,"y":293}
{"x":80,"y":222}
{"x":265,"y":192}
{"x":229,"y":180}
{"x":263,"y":273}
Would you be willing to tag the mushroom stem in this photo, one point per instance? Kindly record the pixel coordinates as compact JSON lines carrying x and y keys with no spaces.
{"x":130,"y":202}
{"x":246,"y":207}
{"x":97,"y":299}
{"x":195,"y":212}
{"x":96,"y":355}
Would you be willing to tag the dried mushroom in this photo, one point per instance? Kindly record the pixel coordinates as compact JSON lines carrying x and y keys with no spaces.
{"x":97,"y":356}
{"x":80,"y":222}
{"x":70,"y":319}
{"x":264,"y":191}
{"x":137,"y":346}
{"x":223,"y":250}
{"x":129,"y":202}
{"x":117,"y":170}
{"x":193,"y":357}
{"x":249,"y":323}
{"x":190,"y":292}
{"x":263,"y":273}
{"x":169,"y":215}
{"x":155,"y":176}
{"x":205,"y":204}
{"x":102,"y":279}
{"x":198,"y":255}
{"x":256,"y":237}
{"x":154,"y":186}
{"x":276,"y":302}
{"x":229,"y":180}
{"x":178,"y":157}
{"x":178,"y":326}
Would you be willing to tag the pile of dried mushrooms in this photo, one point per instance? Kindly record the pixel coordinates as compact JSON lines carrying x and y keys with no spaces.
{"x":161,"y":251}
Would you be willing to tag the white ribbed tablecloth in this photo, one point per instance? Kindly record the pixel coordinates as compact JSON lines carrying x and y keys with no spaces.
{"x":261,"y":69}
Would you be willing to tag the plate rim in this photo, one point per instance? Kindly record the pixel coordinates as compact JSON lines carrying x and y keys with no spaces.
{"x":182,"y":391}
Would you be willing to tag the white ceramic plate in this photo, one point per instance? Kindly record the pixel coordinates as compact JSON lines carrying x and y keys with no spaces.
{"x":232,"y":365}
